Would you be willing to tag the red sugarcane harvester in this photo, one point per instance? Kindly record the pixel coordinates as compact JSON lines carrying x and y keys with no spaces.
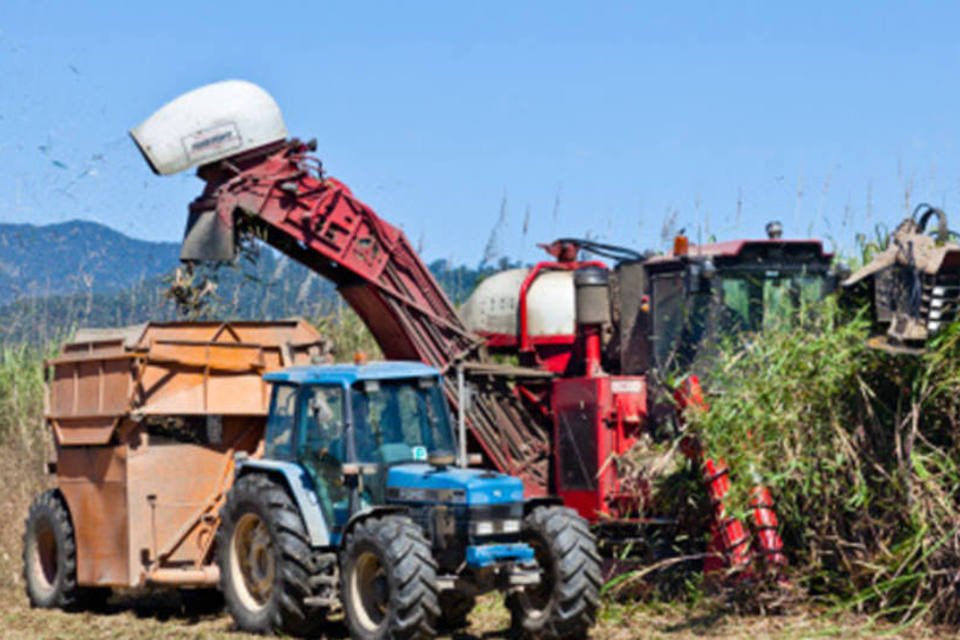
{"x":587,"y":340}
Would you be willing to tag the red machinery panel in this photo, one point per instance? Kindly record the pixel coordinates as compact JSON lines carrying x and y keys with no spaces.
{"x":595,"y":421}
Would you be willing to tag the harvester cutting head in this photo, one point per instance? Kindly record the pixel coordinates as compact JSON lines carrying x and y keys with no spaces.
{"x":913,"y":285}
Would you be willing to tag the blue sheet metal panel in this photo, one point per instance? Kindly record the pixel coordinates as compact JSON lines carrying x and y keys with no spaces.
{"x":301,"y":486}
{"x":480,"y":556}
{"x":425,"y":483}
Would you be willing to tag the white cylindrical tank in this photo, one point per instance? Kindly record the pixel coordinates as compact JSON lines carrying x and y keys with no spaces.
{"x":493,"y":307}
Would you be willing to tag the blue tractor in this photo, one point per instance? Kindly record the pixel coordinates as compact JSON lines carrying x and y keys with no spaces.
{"x":361,"y":504}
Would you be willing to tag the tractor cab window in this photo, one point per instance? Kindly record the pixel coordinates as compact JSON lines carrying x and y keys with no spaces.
{"x":758,"y":300}
{"x":323,"y":421}
{"x":400,"y":420}
{"x":321,"y":447}
{"x":280,"y":422}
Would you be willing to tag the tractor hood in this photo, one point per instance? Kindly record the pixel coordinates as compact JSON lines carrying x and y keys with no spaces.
{"x":426,"y":483}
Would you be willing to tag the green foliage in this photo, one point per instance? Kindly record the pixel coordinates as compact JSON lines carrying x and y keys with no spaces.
{"x":24,"y":447}
{"x":21,"y":392}
{"x":860,"y":450}
{"x":348,"y":333}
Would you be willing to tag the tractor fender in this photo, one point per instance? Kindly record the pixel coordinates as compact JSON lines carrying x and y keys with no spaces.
{"x":369,"y":512}
{"x":543,"y":501}
{"x":295,"y":478}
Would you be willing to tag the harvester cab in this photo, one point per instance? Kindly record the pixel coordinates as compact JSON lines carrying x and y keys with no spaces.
{"x":912,"y":284}
{"x":675,"y":307}
{"x":392,"y":526}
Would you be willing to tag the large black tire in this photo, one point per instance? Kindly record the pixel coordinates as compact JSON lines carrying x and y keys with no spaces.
{"x":564,"y":605}
{"x":264,"y":557}
{"x":455,"y":608}
{"x":50,"y":558}
{"x":389,"y":581}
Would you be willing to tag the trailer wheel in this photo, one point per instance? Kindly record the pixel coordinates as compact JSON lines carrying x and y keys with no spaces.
{"x":564,"y":604}
{"x":50,"y":557}
{"x":455,"y":607}
{"x":389,"y":581}
{"x":263,"y":552}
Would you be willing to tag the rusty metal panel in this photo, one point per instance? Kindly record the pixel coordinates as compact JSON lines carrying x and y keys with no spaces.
{"x":295,"y":332}
{"x":83,"y":431}
{"x":174,"y":491}
{"x":146,"y":421}
{"x":86,"y":399}
{"x":92,"y":480}
{"x":178,"y":368}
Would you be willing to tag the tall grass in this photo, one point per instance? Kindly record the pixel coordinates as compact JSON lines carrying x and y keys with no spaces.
{"x":861,"y":450}
{"x":24,"y":448}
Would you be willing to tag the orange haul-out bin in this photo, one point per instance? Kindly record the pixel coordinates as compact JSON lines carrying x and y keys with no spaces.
{"x":146,"y":422}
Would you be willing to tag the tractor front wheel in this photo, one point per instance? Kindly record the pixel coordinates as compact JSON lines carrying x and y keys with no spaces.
{"x":389,"y":587}
{"x":263,"y":552}
{"x":564,"y":604}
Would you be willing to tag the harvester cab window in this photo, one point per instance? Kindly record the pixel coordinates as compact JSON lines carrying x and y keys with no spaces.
{"x":321,"y":448}
{"x":679,"y":319}
{"x":280,"y":422}
{"x":759,"y":300}
{"x":667,"y":326}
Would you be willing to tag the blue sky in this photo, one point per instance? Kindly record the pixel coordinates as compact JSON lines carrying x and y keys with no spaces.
{"x":584,"y":118}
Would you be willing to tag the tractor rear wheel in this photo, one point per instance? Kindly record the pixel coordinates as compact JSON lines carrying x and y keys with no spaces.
{"x":264,"y":556}
{"x":564,"y":604}
{"x":389,"y":581}
{"x":50,"y":558}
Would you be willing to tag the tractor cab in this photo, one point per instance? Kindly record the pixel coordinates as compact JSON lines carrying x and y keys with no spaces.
{"x":380,"y":434}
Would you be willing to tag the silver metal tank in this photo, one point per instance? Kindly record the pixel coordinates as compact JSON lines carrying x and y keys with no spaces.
{"x":493,"y":307}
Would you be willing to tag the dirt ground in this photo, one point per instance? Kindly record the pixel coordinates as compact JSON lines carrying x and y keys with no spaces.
{"x":161,"y":616}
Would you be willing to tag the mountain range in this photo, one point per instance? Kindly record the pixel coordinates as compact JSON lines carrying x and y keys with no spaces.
{"x":57,"y":277}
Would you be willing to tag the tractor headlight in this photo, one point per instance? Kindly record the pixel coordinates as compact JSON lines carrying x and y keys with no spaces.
{"x":511,"y":526}
{"x":492,"y":527}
